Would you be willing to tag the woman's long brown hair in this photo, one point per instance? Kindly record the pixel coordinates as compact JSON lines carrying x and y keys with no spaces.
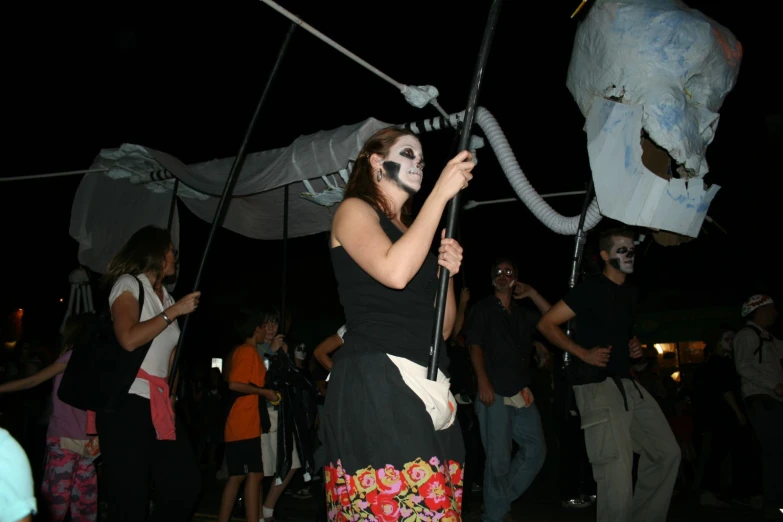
{"x":362,"y":185}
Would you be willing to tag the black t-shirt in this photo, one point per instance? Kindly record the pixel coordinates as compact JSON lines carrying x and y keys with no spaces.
{"x":506,"y":340}
{"x":720,"y":377}
{"x":605,"y":315}
{"x":460,"y":367}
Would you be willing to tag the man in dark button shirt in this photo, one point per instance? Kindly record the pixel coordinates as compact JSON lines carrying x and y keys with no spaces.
{"x":619,"y":417}
{"x":499,"y":335}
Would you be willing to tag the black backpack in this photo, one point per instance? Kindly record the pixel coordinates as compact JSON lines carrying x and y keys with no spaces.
{"x":100,"y":371}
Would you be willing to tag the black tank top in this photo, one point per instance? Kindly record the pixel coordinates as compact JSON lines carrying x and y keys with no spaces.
{"x":398,"y":322}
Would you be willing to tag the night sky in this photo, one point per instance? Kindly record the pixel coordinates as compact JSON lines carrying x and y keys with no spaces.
{"x":184,"y":78}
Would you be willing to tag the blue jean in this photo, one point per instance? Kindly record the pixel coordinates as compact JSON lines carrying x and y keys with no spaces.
{"x":505,"y":479}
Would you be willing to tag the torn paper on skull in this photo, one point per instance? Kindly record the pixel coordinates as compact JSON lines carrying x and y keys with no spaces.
{"x":673,"y":66}
{"x":626,"y":189}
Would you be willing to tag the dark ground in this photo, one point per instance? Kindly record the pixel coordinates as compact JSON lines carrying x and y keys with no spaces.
{"x":530,"y":508}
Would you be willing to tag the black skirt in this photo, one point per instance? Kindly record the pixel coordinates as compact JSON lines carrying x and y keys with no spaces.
{"x":384,"y":457}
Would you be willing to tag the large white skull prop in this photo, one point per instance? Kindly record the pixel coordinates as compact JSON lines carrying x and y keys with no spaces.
{"x":671,"y":67}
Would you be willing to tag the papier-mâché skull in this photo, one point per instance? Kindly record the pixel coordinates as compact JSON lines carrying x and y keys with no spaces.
{"x":672,"y":63}
{"x":672,"y":60}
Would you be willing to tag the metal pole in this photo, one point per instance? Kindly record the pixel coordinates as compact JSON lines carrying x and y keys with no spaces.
{"x":285,"y":261}
{"x":55,"y":174}
{"x":462,"y":271}
{"x":473,"y":204}
{"x":231,"y":180}
{"x":458,"y":233}
{"x":173,"y":203}
{"x":453,"y":207}
{"x":579,"y":248}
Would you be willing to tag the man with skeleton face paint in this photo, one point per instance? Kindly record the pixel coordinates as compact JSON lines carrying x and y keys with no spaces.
{"x":499,"y":335}
{"x":618,"y":416}
{"x":622,"y":255}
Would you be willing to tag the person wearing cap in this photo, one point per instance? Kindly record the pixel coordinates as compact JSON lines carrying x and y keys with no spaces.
{"x":757,"y":355}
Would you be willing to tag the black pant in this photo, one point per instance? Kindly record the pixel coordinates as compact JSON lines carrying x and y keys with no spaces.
{"x":723,"y":440}
{"x":746,"y":464}
{"x":474,"y":450}
{"x":575,"y":475}
{"x":132,"y":456}
{"x":766,"y":416}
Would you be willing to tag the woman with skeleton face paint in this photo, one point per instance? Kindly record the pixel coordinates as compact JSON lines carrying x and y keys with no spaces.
{"x":390,"y":432}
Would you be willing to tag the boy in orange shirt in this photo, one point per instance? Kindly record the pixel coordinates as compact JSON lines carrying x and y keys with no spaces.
{"x":243,"y":426}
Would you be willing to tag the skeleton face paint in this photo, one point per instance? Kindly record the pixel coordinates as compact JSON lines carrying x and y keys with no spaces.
{"x":622,"y":255}
{"x":405,"y":165}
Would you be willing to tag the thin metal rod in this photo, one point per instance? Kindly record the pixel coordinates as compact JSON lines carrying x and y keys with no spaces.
{"x":579,"y":248}
{"x":173,"y":206}
{"x":709,"y":219}
{"x":318,"y":34}
{"x":334,"y":45}
{"x":54,"y":175}
{"x":285,"y":262}
{"x":231,"y":180}
{"x":453,"y":207}
{"x":473,"y":204}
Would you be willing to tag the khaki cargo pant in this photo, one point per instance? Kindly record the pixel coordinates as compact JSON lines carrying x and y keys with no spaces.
{"x":612,"y":434}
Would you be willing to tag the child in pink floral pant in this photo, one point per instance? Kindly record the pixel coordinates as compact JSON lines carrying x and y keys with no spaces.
{"x":69,"y":478}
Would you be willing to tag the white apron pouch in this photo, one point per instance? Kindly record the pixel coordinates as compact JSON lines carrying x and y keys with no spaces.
{"x":437,"y":398}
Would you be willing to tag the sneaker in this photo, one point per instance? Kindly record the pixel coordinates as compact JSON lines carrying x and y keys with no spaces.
{"x":576,"y":503}
{"x":741,"y":501}
{"x":708,"y":499}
